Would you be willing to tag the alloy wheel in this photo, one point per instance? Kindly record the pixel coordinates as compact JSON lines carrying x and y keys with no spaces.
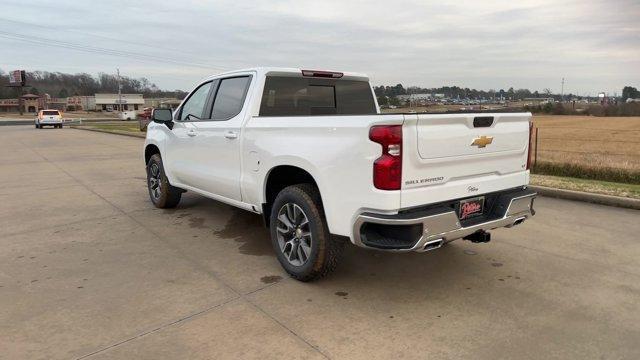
{"x":294,"y":234}
{"x":155,"y":182}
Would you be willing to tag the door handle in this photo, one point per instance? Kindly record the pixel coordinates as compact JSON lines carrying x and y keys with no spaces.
{"x":230,"y":135}
{"x":192,"y":133}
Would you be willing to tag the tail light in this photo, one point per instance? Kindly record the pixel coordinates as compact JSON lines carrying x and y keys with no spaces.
{"x":529,"y":153}
{"x":387,"y":169}
{"x":323,"y":74}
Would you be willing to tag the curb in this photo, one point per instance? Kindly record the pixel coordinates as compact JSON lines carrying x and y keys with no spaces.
{"x":66,"y":121}
{"x":142,"y":136}
{"x":601,"y":199}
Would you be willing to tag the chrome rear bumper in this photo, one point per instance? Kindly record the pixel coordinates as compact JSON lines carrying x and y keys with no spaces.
{"x":440,"y":225}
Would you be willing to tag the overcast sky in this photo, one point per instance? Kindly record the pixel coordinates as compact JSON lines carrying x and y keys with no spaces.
{"x":594,"y":44}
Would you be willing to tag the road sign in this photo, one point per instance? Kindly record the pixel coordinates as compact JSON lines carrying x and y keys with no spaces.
{"x":17,"y":78}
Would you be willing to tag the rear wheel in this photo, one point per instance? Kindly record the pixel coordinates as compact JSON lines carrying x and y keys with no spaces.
{"x":163,"y":195}
{"x":300,"y":236}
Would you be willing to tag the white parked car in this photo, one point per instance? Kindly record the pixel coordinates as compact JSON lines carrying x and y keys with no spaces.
{"x":310,"y":151}
{"x":49,"y":118}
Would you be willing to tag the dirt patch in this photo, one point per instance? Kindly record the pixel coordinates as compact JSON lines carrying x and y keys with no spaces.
{"x":247,"y":229}
{"x":196,"y":223}
{"x":270,"y":279}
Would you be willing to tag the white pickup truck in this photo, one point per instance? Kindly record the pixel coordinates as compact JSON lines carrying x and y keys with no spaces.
{"x":310,"y":151}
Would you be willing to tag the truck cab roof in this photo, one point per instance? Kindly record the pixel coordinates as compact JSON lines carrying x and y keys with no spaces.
{"x":285,"y":71}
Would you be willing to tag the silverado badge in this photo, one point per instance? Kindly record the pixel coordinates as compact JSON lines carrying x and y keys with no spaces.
{"x":482,"y":141}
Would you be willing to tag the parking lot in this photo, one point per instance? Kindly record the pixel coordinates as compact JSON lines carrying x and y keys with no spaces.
{"x":90,"y":269}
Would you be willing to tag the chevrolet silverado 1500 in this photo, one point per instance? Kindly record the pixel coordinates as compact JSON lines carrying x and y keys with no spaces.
{"x":310,"y":151}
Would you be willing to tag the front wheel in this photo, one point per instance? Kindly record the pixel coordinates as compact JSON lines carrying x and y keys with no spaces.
{"x":162,"y":194}
{"x":300,"y":236}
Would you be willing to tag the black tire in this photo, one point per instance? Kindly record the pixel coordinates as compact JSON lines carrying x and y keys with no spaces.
{"x":324,"y":251}
{"x":166,"y":196}
{"x":37,"y":126}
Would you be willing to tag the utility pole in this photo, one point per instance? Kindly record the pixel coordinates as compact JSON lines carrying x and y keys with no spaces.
{"x":562,"y":91}
{"x":120,"y":93}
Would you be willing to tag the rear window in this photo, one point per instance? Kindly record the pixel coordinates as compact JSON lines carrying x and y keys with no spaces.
{"x":50,"y":112}
{"x":294,"y":96}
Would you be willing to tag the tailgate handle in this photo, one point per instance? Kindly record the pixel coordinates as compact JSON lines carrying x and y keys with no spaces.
{"x":482,"y":121}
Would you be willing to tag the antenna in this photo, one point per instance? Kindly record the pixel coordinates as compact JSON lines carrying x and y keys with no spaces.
{"x":562,"y":91}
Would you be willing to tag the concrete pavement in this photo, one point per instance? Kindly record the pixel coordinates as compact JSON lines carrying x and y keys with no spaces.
{"x":90,"y":269}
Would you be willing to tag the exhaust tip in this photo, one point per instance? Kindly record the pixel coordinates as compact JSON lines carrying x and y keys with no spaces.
{"x":433,"y":244}
{"x":519,"y":221}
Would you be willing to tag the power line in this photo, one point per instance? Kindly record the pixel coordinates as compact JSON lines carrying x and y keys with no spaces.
{"x":101,"y":50}
{"x":87,"y":34}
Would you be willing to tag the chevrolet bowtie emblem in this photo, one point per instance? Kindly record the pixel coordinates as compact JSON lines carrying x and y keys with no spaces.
{"x":482,"y":141}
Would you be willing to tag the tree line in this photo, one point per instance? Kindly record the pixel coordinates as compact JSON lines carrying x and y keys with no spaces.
{"x":58,"y":84}
{"x":455,"y":92}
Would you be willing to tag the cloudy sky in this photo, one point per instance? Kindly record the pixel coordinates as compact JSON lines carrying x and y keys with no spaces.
{"x":594,"y":44}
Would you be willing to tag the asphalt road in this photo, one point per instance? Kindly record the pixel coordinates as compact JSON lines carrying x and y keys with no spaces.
{"x":89,"y":269}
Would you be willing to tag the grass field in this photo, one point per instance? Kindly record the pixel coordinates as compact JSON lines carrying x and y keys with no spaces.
{"x":120,"y":126}
{"x":604,"y":148}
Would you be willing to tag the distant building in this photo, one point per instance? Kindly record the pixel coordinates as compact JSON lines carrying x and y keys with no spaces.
{"x":537,"y":101}
{"x":9,"y":105}
{"x":86,"y":103}
{"x":108,"y":102}
{"x":168,"y":103}
{"x":30,"y":103}
{"x":420,"y":97}
{"x":403,"y":98}
{"x":57,"y":103}
{"x":126,"y":102}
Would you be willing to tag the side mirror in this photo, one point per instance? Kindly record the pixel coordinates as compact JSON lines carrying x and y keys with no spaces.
{"x":163,"y":116}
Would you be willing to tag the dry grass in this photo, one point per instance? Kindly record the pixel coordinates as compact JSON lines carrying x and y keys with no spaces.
{"x":589,"y":142}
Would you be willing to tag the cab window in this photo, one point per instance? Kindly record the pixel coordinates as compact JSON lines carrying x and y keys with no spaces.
{"x":230,"y":97}
{"x":193,"y":108}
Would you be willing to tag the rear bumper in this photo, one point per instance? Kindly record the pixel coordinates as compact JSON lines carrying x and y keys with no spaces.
{"x":419,"y":229}
{"x":50,"y":122}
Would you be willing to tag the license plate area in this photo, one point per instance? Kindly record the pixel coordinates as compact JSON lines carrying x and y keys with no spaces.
{"x":471,"y":208}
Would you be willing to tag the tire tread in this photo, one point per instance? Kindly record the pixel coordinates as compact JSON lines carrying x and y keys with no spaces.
{"x":330,"y":250}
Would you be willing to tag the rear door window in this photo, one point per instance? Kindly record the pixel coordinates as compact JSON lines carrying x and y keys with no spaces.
{"x":230,"y":97}
{"x":50,"y":112}
{"x":296,"y":96}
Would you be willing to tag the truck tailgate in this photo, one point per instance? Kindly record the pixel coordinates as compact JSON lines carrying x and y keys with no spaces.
{"x":453,"y":156}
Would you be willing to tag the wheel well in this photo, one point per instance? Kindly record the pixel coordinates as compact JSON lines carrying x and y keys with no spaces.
{"x":279,"y":178}
{"x":149,"y":151}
